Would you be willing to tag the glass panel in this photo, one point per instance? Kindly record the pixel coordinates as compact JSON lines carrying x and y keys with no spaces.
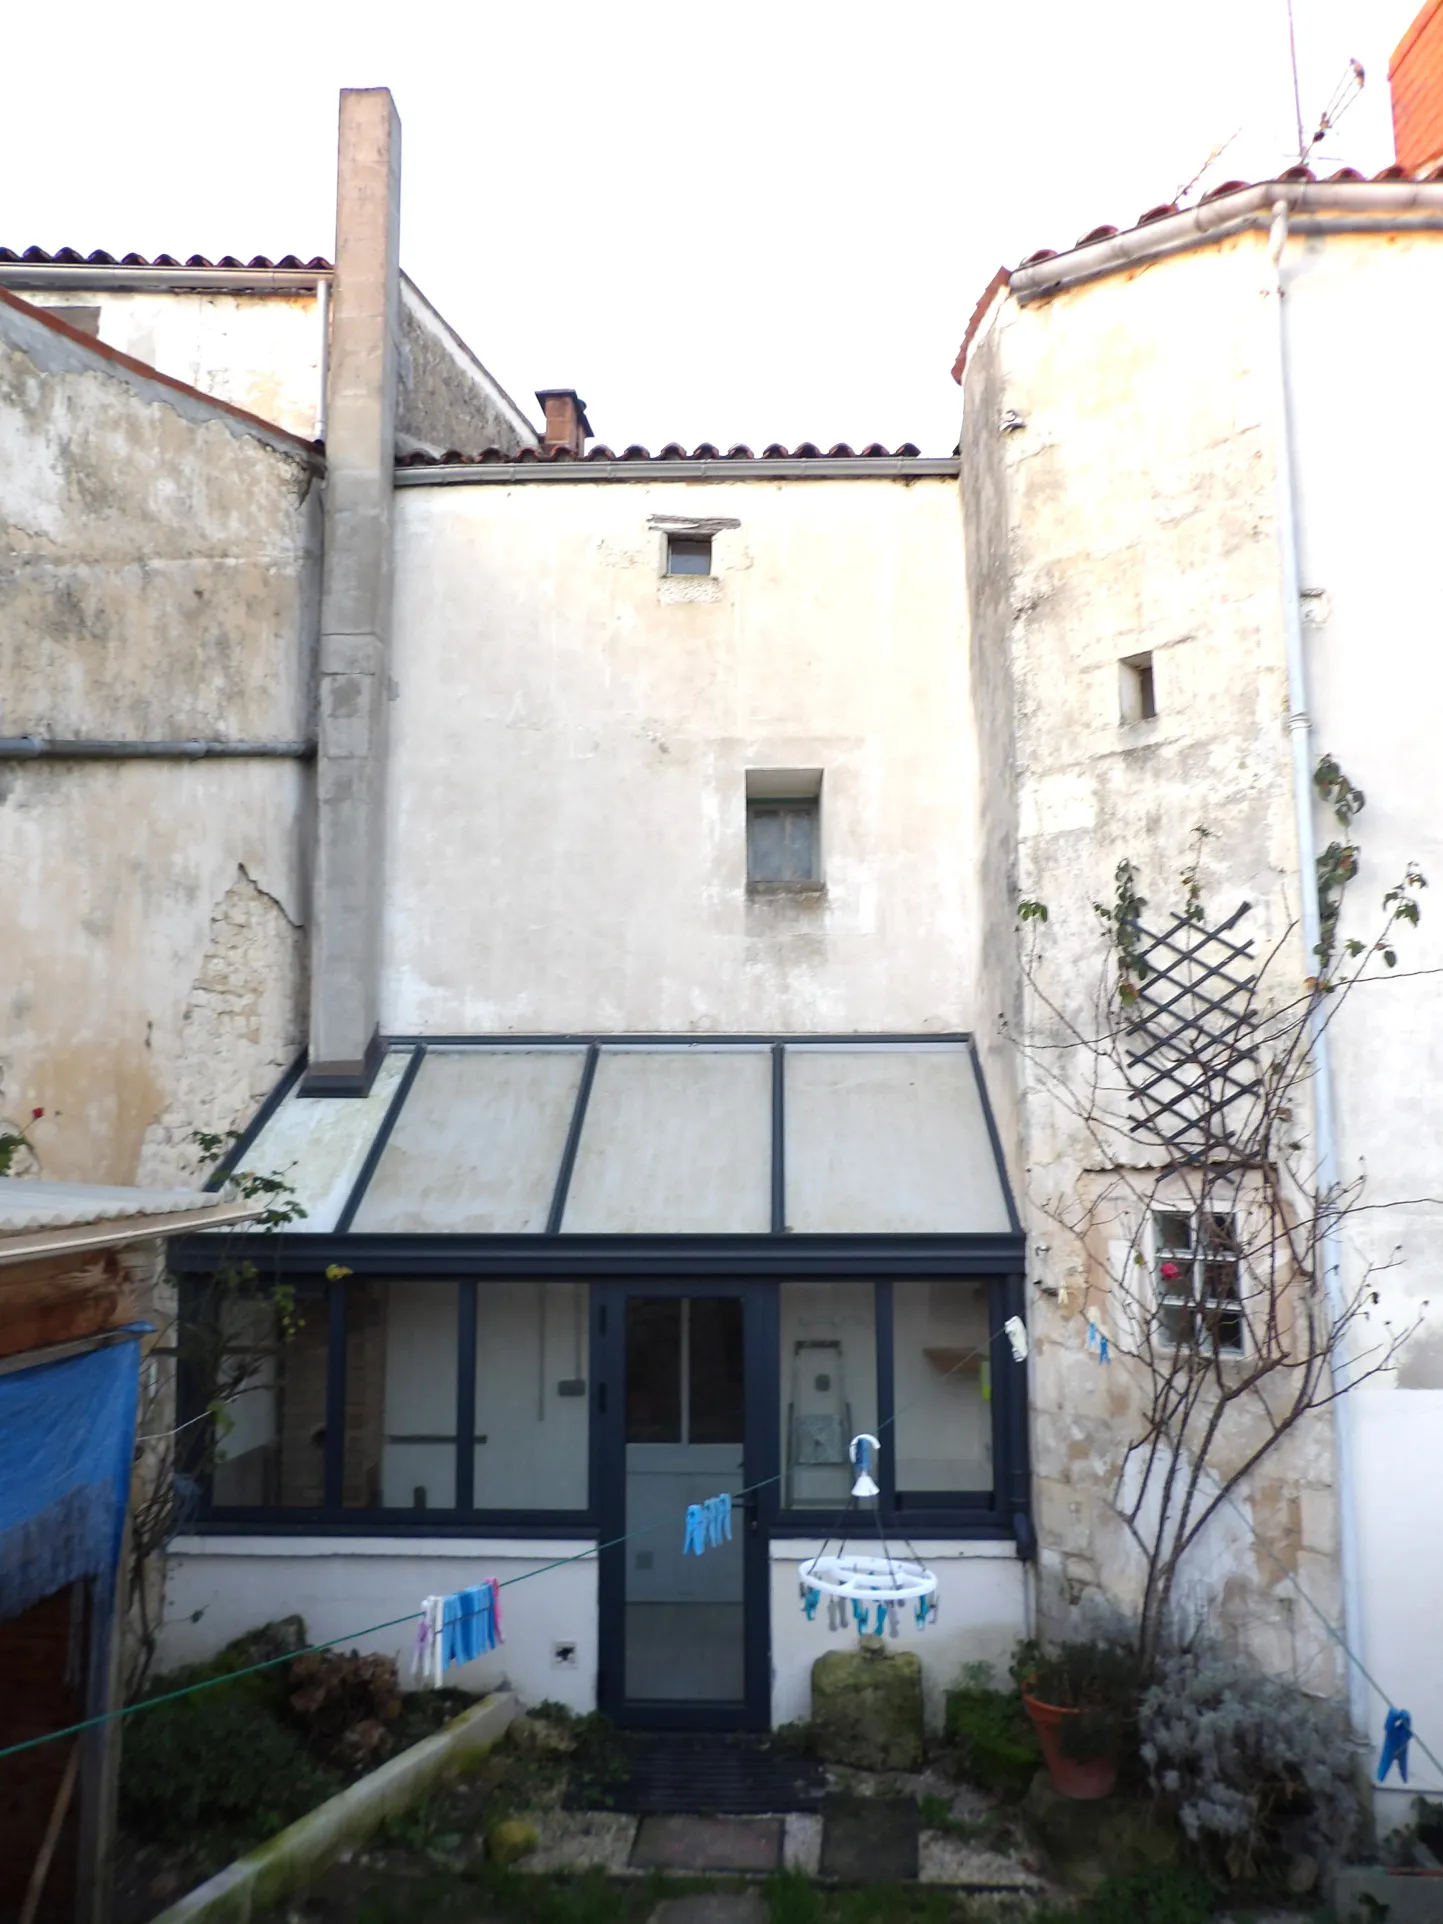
{"x":532,"y":1449}
{"x":653,"y":1369}
{"x":677,"y":1141}
{"x":318,"y":1145}
{"x":714,"y":1370}
{"x":828,"y":1387}
{"x":942,"y":1384}
{"x":270,"y":1377}
{"x":888,"y":1141}
{"x":781,"y":841}
{"x":478,"y":1145}
{"x":400,"y":1396}
{"x":688,"y":555}
{"x":684,"y":1613}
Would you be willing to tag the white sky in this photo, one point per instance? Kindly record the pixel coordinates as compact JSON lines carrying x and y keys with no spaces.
{"x":757,"y":220}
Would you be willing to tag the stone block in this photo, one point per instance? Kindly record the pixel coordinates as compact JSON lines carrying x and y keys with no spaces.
{"x":1368,"y":1894}
{"x":867,"y":1708}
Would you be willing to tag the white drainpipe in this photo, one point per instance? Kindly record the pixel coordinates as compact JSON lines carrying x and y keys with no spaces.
{"x":1301,"y":737}
{"x":323,"y":302}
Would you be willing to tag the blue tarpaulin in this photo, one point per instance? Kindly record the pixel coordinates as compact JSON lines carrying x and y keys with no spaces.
{"x":67,"y":1435}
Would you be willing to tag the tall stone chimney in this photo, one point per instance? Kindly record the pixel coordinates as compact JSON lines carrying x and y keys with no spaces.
{"x":1415,"y":77}
{"x":566,"y":422}
{"x":356,"y":599}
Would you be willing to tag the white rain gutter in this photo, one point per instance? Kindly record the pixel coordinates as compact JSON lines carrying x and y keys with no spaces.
{"x":1344,"y":206}
{"x":1300,"y":735}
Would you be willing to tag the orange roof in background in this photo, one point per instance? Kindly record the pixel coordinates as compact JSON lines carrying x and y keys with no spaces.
{"x":1415,"y":76}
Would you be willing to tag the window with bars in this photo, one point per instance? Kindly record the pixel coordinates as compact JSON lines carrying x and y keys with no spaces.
{"x":1197,"y":1278}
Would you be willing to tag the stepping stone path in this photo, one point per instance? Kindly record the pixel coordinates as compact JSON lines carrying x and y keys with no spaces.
{"x":713,"y":1907}
{"x":749,"y":1845}
{"x":870,"y":1839}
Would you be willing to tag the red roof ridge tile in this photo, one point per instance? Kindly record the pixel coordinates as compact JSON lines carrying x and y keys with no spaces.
{"x":72,"y":257}
{"x":671,"y":452}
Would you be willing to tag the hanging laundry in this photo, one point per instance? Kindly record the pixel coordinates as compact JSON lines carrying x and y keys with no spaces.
{"x":1016,"y":1332}
{"x":456,"y":1629}
{"x":1397,"y":1734}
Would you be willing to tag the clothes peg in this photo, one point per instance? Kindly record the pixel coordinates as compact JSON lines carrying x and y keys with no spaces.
{"x":863,"y":1452}
{"x":1397,"y":1733}
{"x":810,"y":1600}
{"x":695,"y":1538}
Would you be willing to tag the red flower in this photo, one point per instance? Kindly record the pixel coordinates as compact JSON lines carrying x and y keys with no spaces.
{"x":36,"y":1114}
{"x":1170,"y":1272}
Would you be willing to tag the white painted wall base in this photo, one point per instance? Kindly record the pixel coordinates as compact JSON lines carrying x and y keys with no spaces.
{"x":981,"y":1614}
{"x":217,"y":1587}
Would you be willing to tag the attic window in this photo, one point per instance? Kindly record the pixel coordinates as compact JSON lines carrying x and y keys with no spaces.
{"x":1137,"y":689}
{"x":688,"y":554}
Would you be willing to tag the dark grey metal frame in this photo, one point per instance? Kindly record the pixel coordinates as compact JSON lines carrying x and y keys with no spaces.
{"x":776,"y":1256}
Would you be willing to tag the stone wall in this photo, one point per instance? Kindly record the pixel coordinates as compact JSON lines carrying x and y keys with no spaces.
{"x":159,"y":584}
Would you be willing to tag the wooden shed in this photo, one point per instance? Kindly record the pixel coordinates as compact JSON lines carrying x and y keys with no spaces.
{"x":77,"y":1262}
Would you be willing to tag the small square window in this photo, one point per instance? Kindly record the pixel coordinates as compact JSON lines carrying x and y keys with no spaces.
{"x":1137,"y":689}
{"x":1198,"y":1270}
{"x":783,"y":841}
{"x":688,"y":554}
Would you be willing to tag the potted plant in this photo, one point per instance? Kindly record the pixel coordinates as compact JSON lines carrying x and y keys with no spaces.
{"x":1082,"y":1699}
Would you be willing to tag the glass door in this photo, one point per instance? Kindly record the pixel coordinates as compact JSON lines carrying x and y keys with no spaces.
{"x":683,"y":1629}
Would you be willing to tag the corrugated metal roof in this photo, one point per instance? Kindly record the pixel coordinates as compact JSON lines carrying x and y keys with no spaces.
{"x":27,"y":1204}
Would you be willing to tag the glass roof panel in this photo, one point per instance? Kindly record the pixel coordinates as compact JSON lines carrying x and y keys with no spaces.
{"x":318,"y":1143}
{"x":677,"y":1141}
{"x":478,"y":1144}
{"x":888,"y":1139}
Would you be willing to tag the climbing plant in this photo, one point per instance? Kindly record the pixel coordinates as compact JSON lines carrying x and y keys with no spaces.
{"x":1188,"y":1078}
{"x":173,"y":1457}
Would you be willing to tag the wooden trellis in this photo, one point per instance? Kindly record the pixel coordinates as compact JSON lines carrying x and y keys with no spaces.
{"x":1191,"y":1037}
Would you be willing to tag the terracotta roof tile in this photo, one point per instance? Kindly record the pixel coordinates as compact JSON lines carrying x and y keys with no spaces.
{"x":672,"y":451}
{"x":1344,"y":177}
{"x":71,"y":257}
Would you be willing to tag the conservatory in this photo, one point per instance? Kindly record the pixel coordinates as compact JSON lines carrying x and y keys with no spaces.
{"x":550,"y":1293}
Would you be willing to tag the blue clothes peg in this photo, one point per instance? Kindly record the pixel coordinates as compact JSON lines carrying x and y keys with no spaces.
{"x":859,"y":1616}
{"x":1397,"y":1731}
{"x":881,"y":1624}
{"x":810,"y":1600}
{"x":695,"y":1538}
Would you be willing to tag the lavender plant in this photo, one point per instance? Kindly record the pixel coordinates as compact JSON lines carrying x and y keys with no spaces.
{"x":1260,"y":1773}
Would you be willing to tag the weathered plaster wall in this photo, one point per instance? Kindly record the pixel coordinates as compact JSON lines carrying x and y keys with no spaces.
{"x":988,"y":539}
{"x":570,"y":740}
{"x":447,"y":399}
{"x":1132,"y":511}
{"x":260,"y":352}
{"x":158,"y":581}
{"x":265,"y":353}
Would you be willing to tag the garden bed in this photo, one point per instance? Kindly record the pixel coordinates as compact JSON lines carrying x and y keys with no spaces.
{"x":209,"y":1774}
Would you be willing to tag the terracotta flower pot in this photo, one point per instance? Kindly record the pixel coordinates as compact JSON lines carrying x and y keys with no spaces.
{"x":1095,"y":1778}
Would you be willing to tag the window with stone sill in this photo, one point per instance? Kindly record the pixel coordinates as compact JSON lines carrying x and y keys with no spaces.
{"x":1197,"y":1280}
